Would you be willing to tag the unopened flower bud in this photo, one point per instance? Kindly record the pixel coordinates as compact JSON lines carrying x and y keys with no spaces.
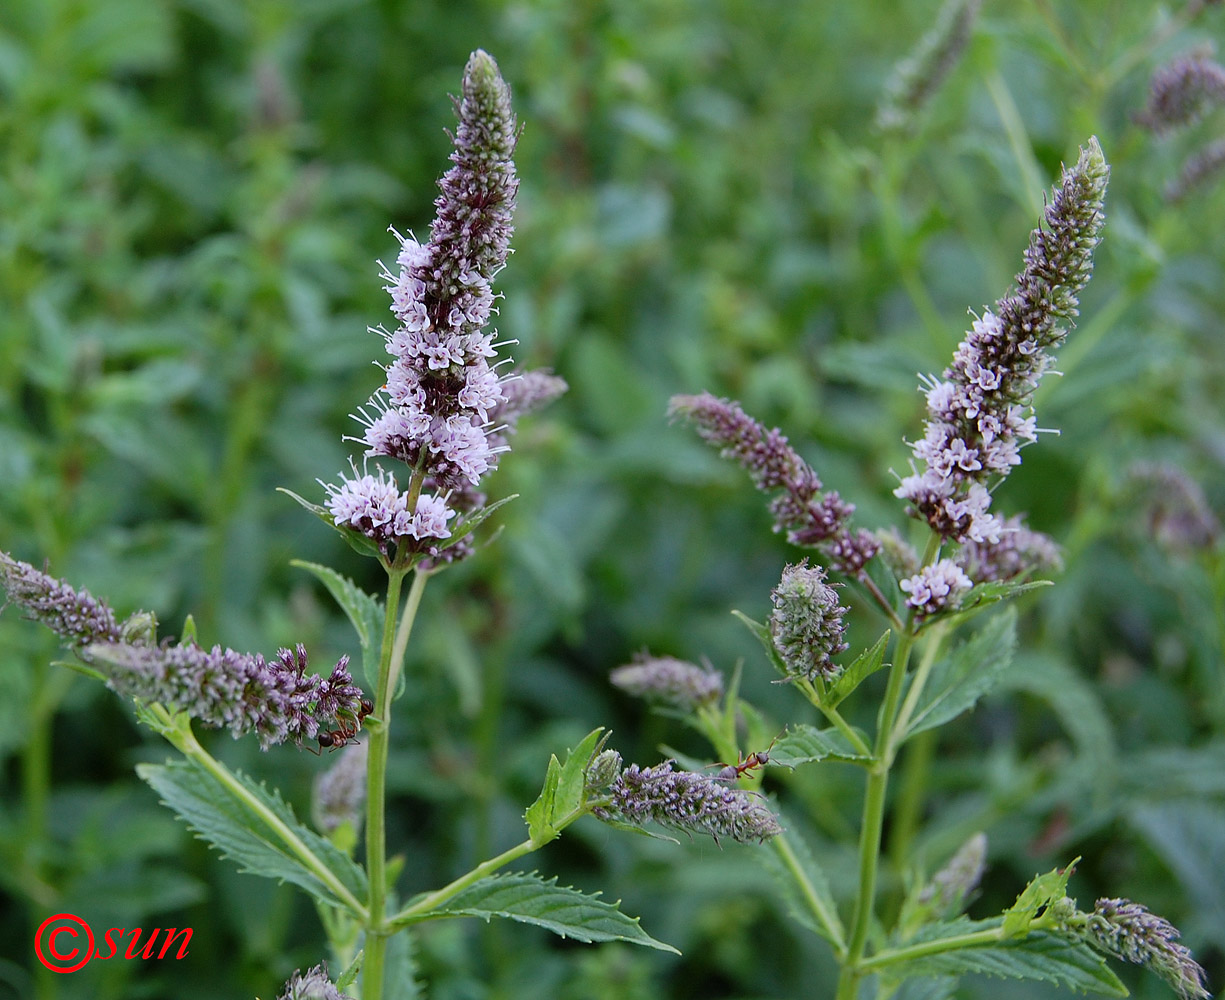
{"x":806,"y":625}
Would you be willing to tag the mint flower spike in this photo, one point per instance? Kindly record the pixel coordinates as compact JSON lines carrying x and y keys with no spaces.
{"x":242,"y":692}
{"x":978,"y":415}
{"x":668,"y":680}
{"x":76,"y":616}
{"x":1183,"y":91}
{"x":810,"y":517}
{"x":684,"y":800}
{"x":436,"y":408}
{"x":315,"y":985}
{"x":1129,"y":931}
{"x":918,"y":77}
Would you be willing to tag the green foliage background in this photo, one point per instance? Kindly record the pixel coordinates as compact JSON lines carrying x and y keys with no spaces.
{"x":192,"y":195}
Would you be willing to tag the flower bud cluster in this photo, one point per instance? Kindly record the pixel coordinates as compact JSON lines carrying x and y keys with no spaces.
{"x":242,"y":692}
{"x":339,"y":793}
{"x":800,"y":508}
{"x":435,"y":410}
{"x":806,"y":625}
{"x":978,"y":415}
{"x":1173,"y":505}
{"x":936,"y":588}
{"x":315,"y":985}
{"x":685,"y":801}
{"x":1182,"y":91}
{"x":1019,"y":550}
{"x":670,"y":681}
{"x":949,"y":887}
{"x":1129,"y":931}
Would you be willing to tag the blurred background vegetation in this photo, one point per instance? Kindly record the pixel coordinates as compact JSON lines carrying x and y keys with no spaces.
{"x":192,"y":197}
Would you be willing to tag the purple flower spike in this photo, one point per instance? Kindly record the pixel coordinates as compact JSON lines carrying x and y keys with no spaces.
{"x":689,"y":802}
{"x":442,"y":408}
{"x":76,"y":616}
{"x":670,"y":681}
{"x":1183,"y":91}
{"x":1129,"y":931}
{"x":278,"y":700}
{"x":978,"y":415}
{"x":809,"y":517}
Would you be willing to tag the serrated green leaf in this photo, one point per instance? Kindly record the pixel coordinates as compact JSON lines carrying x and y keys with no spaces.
{"x":1040,"y":893}
{"x":529,"y":899}
{"x":762,"y":634}
{"x":357,"y":541}
{"x":364,"y":611}
{"x":400,"y":978}
{"x":968,"y":673}
{"x":864,"y":665}
{"x":540,"y":814}
{"x":804,"y":744}
{"x":1041,"y":956}
{"x":228,"y":824}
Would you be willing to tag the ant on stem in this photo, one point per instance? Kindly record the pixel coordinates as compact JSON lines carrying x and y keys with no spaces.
{"x":730,"y":773}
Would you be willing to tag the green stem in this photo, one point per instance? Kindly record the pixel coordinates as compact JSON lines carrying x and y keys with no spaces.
{"x":376,"y":798}
{"x":844,"y":728}
{"x":908,"y":804}
{"x":423,"y":908}
{"x":873,"y":823}
{"x":184,"y":740}
{"x":825,"y":917}
{"x":893,"y":956}
{"x":874,"y":801}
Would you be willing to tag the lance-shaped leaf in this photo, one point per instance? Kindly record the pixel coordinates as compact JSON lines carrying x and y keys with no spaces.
{"x":968,"y":673}
{"x":529,"y":899}
{"x":230,"y":825}
{"x":863,"y":666}
{"x":357,"y":541}
{"x":804,"y":744}
{"x":364,"y":611}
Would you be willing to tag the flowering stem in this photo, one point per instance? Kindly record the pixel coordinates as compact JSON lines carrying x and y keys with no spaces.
{"x":870,"y":586}
{"x":424,"y":907}
{"x":874,"y":799}
{"x":892,"y":956}
{"x":177,"y":730}
{"x":376,"y":781}
{"x":873,"y":821}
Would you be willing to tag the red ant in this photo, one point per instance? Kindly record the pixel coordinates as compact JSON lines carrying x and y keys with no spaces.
{"x":344,"y":735}
{"x":730,"y":773}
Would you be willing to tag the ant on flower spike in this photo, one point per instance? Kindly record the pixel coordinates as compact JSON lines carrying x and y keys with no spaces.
{"x":730,"y":773}
{"x":345,"y":734}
